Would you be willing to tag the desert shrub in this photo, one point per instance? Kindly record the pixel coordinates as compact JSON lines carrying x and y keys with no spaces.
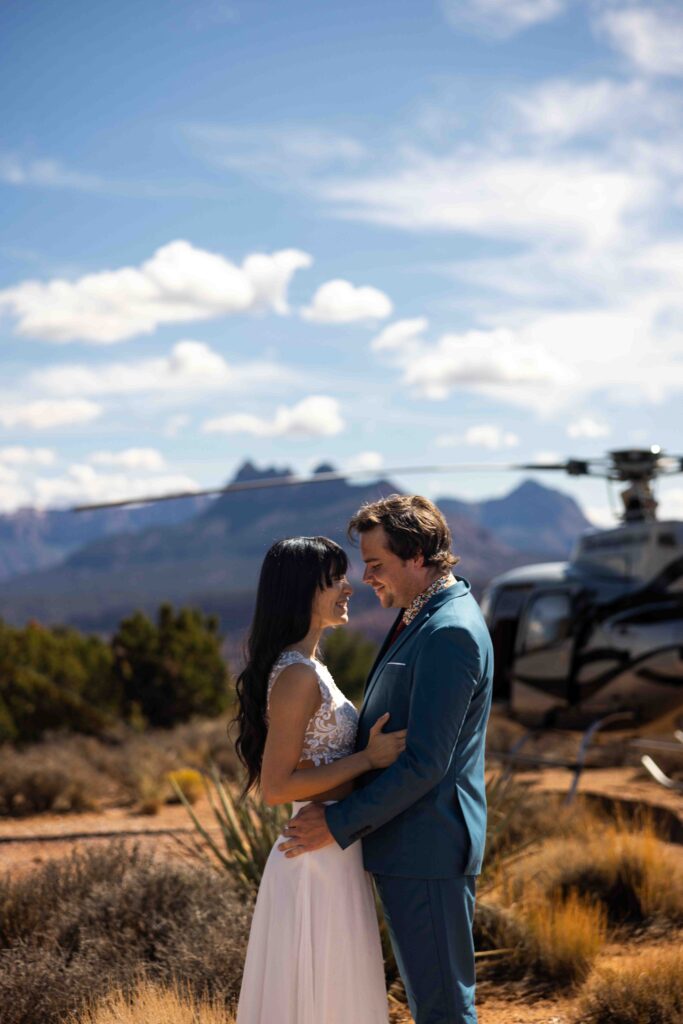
{"x":149,"y":1002}
{"x":547,"y":940}
{"x":172,"y":670}
{"x":122,"y":766}
{"x":519,"y":818}
{"x":634,"y":875}
{"x":349,"y":657}
{"x":188,"y":781}
{"x":75,"y":928}
{"x":646,"y":989}
{"x":45,"y":778}
{"x":563,"y":937}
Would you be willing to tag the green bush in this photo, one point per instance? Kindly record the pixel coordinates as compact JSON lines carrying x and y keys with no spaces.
{"x":53,"y":679}
{"x":58,"y":679}
{"x":173,"y":670}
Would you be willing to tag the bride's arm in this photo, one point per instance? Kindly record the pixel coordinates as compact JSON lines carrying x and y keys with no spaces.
{"x":294,"y":699}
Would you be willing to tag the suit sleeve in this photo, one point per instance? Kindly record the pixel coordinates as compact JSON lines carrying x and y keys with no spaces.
{"x":446,"y":673}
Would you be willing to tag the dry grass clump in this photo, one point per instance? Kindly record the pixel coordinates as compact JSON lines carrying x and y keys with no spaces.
{"x":520,"y":818}
{"x":122,"y":767}
{"x":75,"y":928}
{"x":646,"y":989}
{"x":149,"y":1003}
{"x":635,"y":876}
{"x":189,"y":782}
{"x":550,"y":940}
{"x":44,"y":778}
{"x":564,"y":937}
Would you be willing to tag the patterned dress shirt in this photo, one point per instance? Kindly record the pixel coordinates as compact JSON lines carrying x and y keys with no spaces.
{"x":416,"y":606}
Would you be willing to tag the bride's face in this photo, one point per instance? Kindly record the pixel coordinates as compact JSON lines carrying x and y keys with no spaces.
{"x":331,"y":605}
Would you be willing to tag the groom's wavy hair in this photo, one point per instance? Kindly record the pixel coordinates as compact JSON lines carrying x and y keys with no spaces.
{"x":413,"y":525}
{"x":293,"y":569}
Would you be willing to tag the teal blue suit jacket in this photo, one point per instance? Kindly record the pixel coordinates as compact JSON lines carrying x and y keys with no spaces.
{"x":425,"y":816}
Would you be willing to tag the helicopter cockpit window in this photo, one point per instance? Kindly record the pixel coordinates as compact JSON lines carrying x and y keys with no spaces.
{"x":548,"y":621}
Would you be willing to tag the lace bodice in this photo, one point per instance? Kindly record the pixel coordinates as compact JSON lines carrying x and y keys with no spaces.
{"x":331,"y":732}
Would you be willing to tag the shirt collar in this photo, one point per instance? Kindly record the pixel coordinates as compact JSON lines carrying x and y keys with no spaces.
{"x":416,"y":605}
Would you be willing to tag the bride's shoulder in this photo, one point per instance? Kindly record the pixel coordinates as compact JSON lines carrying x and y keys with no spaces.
{"x":293,"y":678}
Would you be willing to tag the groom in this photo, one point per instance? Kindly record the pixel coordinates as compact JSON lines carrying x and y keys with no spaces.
{"x":422,"y":820}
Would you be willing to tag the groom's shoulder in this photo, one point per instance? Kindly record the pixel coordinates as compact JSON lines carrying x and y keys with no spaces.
{"x":461,"y":614}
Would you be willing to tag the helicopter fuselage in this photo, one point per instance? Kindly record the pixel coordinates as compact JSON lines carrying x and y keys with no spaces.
{"x":600,"y":633}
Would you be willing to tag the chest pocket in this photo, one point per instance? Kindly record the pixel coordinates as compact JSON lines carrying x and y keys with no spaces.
{"x":392,"y":693}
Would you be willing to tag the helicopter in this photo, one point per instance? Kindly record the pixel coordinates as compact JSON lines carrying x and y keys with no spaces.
{"x":601,"y":633}
{"x":594,"y":638}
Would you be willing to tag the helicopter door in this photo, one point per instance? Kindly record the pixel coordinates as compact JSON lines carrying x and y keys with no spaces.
{"x":504,"y":617}
{"x":544,"y":653}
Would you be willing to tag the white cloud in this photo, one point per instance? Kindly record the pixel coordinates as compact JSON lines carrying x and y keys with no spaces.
{"x":340,"y":302}
{"x":315,"y":416}
{"x":568,"y":198}
{"x":130,"y":458}
{"x":83,"y":484}
{"x":364,"y":460}
{"x":47,"y":173}
{"x":480,"y":360}
{"x":13,"y":496}
{"x":670,"y":503}
{"x":400,"y":336}
{"x":547,"y":455}
{"x":16,"y":455}
{"x":175,"y":424}
{"x":43,"y":414}
{"x":190,"y":366}
{"x":486,"y":435}
{"x":561,"y":109}
{"x":179,"y":283}
{"x":587,"y":426}
{"x":278,"y":153}
{"x":500,"y":18}
{"x":652,"y":38}
{"x":600,"y":515}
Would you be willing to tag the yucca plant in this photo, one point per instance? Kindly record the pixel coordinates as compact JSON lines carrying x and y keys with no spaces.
{"x":248,"y":830}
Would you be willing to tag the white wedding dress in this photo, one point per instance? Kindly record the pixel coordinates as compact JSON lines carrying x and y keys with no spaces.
{"x":314,"y":954}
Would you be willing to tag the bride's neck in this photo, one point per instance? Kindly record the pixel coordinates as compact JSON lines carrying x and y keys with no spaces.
{"x":309,"y":644}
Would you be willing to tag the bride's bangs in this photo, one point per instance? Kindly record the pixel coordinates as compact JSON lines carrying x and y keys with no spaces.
{"x":334,"y":564}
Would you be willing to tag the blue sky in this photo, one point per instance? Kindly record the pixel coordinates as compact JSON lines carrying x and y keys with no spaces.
{"x":387,"y":233}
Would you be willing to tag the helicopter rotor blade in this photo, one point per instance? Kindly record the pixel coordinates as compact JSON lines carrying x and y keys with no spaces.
{"x":295,"y":480}
{"x":601,"y":467}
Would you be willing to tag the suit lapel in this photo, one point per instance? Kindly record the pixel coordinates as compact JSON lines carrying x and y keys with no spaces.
{"x":461,"y":587}
{"x":389,"y":650}
{"x":384,"y":648}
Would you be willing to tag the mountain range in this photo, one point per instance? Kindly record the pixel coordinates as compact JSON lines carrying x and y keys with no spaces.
{"x":90,"y":569}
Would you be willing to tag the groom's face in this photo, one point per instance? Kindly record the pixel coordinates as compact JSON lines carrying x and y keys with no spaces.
{"x":392,"y":579}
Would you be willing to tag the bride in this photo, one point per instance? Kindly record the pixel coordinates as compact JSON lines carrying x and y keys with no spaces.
{"x":314,"y":953}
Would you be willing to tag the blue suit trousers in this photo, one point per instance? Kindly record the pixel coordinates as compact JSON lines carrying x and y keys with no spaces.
{"x":430,"y":923}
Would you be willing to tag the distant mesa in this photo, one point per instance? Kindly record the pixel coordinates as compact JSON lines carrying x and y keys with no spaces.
{"x":91,"y":570}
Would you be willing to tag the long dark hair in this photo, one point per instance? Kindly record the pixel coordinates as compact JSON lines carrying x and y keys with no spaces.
{"x":292,"y":571}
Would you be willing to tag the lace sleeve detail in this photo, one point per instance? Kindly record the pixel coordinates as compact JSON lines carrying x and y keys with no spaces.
{"x":331,"y":732}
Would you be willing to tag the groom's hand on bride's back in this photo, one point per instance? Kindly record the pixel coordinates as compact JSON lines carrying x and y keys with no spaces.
{"x":306,"y":831}
{"x":384,"y":747}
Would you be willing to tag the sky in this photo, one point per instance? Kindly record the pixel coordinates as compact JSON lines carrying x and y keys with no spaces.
{"x":407,"y":232}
